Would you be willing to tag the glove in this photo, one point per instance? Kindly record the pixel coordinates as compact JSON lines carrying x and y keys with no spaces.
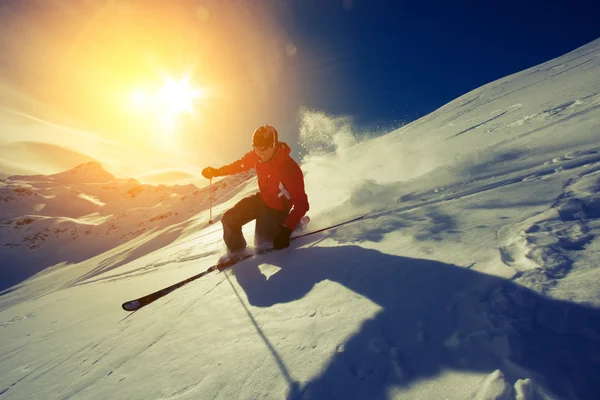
{"x":282,"y":239}
{"x":209,"y":172}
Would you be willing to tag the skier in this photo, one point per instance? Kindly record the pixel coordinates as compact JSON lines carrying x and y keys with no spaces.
{"x":280,"y":203}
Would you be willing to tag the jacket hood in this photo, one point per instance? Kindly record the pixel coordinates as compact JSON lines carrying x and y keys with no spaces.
{"x":283,"y":153}
{"x":283,"y":147}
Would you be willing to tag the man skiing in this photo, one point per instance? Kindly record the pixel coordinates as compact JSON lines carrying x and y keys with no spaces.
{"x":280,"y":203}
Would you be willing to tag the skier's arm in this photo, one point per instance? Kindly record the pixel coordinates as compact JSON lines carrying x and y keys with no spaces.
{"x":294,"y":184}
{"x":243,"y":164}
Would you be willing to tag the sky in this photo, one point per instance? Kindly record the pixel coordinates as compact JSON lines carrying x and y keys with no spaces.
{"x":388,"y":61}
{"x":94,"y":67}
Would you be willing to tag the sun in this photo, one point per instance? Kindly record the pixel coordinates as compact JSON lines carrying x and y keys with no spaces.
{"x":178,"y":96}
{"x":168,"y":99}
{"x":160,"y":106}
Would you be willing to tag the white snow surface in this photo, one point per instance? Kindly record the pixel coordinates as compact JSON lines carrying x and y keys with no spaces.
{"x":473,"y":274}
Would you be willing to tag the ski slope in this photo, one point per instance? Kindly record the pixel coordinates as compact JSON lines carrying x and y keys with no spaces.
{"x":474,"y":274}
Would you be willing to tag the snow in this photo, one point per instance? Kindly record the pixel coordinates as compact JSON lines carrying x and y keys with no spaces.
{"x":473,"y":274}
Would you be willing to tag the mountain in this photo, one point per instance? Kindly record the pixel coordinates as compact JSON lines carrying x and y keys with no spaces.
{"x":472,"y":274}
{"x":82,"y":212}
{"x":91,"y":172}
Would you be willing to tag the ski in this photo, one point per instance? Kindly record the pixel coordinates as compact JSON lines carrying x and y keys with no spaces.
{"x":134,"y":305}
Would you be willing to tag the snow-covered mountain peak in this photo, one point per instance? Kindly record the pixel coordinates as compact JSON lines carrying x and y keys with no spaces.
{"x":90,"y":172}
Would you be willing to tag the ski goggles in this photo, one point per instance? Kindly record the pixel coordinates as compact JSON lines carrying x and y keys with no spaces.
{"x":262,"y":148}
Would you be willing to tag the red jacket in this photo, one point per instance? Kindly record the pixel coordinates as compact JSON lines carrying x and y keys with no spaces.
{"x":280,"y":182}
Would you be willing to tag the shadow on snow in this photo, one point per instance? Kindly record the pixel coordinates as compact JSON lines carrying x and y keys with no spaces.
{"x":435,"y":316}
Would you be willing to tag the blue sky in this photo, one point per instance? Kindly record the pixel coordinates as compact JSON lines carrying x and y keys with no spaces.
{"x":387,"y":61}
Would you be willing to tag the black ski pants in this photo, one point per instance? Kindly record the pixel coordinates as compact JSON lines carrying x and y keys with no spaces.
{"x":251,"y":208}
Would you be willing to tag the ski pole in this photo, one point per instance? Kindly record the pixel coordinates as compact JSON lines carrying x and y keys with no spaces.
{"x":210,"y":199}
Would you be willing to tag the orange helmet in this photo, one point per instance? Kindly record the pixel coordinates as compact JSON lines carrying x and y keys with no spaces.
{"x":264,"y":136}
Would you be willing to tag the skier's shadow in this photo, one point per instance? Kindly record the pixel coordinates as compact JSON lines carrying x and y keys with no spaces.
{"x":434,"y":317}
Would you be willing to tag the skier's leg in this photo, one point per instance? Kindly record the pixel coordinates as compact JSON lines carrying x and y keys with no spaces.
{"x":268,"y":222}
{"x":239,"y":215}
